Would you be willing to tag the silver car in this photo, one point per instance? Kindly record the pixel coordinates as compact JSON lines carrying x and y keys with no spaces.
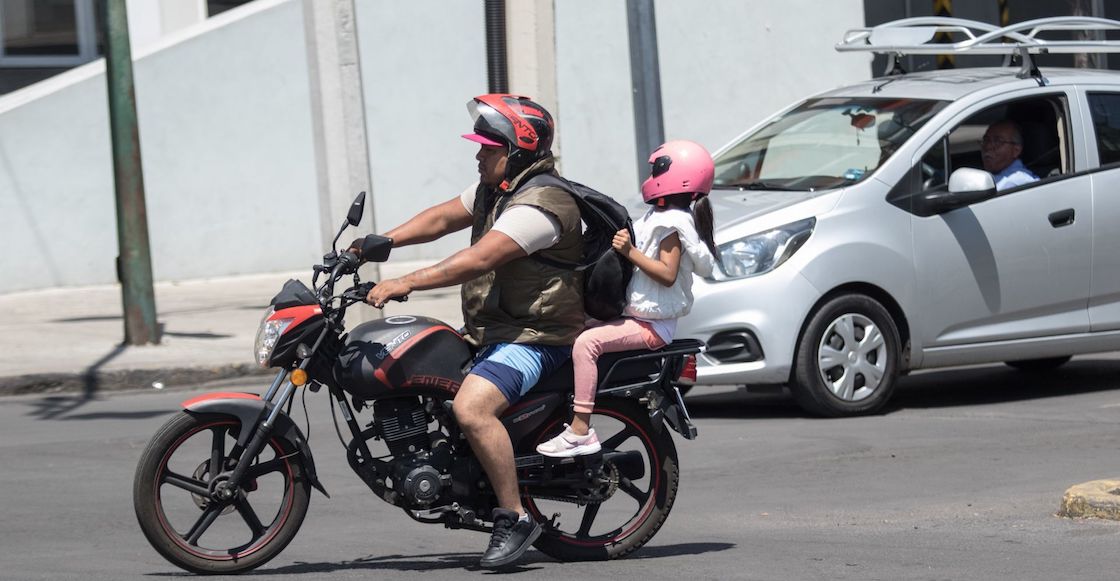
{"x":859,"y":239}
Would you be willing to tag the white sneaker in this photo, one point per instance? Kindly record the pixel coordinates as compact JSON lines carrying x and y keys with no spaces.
{"x":568,"y":444}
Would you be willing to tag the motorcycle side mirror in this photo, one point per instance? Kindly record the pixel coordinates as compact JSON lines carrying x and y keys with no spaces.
{"x":376,"y":248}
{"x":354,"y":216}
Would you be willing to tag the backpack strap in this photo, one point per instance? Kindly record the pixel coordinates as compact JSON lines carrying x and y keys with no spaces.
{"x":547,"y":180}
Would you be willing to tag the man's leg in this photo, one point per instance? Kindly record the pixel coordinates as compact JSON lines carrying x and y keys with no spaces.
{"x":477,"y":407}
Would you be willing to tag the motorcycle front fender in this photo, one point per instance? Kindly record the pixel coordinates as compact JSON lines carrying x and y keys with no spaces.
{"x":250,"y":409}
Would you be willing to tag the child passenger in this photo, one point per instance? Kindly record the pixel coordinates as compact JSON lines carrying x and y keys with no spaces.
{"x":672,"y":240}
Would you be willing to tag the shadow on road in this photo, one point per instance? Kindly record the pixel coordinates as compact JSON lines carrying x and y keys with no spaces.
{"x":988,"y":384}
{"x":467,"y":561}
{"x":999,"y":383}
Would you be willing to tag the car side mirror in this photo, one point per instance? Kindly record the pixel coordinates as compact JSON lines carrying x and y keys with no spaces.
{"x":966,"y":186}
{"x":376,"y":248}
{"x":967,"y":180}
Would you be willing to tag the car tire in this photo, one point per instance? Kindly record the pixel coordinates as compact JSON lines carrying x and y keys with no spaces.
{"x":847,"y":358}
{"x":1047,"y":364}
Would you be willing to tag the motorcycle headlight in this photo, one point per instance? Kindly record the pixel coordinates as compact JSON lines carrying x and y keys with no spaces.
{"x":760,"y":253}
{"x":267,"y":335}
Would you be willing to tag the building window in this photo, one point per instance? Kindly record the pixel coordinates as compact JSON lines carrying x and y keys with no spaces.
{"x":48,"y":33}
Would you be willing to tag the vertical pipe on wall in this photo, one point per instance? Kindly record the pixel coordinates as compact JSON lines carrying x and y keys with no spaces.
{"x":496,"y":67}
{"x":134,"y":264}
{"x":944,"y":8}
{"x":645,"y":77}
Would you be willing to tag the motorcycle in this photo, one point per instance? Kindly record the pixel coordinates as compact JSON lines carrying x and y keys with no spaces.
{"x":225,"y":484}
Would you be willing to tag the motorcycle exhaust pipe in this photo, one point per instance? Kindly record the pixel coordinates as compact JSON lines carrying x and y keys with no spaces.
{"x":630,"y":464}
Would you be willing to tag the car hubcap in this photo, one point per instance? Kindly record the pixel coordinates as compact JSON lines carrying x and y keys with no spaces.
{"x":852,"y":357}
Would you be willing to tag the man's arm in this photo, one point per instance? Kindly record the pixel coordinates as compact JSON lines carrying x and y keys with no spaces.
{"x":490,"y":252}
{"x":431,"y":224}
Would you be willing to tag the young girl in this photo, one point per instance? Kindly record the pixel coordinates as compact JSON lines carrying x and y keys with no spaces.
{"x":674,"y":239}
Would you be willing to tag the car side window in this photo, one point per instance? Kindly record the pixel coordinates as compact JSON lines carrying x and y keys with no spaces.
{"x":1105,"y":109}
{"x":1042,"y":123}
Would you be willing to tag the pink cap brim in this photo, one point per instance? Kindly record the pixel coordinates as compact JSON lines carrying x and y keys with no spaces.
{"x":482,"y":139}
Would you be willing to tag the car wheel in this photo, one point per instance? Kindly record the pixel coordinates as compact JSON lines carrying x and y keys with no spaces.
{"x":847,"y":358}
{"x":1046,"y":364}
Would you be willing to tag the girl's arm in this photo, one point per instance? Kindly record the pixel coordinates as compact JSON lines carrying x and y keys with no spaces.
{"x":664,"y":268}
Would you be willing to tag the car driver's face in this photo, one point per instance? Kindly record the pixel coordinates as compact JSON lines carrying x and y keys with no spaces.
{"x":999,"y":148}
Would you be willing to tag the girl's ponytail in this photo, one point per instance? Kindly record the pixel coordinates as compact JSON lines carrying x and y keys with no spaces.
{"x":702,"y":213}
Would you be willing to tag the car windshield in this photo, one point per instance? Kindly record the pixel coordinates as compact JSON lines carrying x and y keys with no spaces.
{"x":822,"y":144}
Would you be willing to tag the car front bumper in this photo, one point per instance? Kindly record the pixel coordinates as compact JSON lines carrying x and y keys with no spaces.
{"x":771,"y":308}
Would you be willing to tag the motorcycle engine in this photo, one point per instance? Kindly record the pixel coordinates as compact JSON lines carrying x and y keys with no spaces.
{"x":421,"y":460}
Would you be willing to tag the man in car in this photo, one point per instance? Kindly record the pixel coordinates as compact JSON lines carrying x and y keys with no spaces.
{"x":1000,"y":150}
{"x":523,"y":314}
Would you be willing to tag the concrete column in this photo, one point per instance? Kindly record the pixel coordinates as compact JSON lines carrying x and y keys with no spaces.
{"x":531,"y":54}
{"x":338,"y":121}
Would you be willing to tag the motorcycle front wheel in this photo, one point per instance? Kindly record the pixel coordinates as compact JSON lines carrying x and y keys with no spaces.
{"x":182,"y":518}
{"x":630,"y":509}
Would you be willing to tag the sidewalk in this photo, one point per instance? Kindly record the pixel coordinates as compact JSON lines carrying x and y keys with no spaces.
{"x":71,"y":339}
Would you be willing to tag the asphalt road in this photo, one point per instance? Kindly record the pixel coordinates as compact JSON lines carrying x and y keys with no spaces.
{"x":960,"y":479}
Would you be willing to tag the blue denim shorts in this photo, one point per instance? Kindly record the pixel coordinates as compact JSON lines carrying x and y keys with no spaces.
{"x":515,"y":368}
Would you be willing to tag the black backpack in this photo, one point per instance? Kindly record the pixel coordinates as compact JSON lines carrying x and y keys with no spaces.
{"x":606,"y":274}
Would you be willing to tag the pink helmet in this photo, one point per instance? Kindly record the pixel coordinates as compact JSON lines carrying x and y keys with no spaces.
{"x":679,"y":167}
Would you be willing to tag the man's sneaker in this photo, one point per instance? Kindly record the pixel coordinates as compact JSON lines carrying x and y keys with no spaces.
{"x":512,"y":536}
{"x":569,"y":444}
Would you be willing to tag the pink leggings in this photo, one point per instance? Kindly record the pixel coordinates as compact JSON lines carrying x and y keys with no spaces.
{"x":618,"y":335}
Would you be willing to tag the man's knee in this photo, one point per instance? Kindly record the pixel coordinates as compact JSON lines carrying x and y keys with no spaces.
{"x":477,"y":402}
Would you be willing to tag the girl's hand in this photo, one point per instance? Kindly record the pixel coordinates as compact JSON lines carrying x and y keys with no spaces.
{"x":621,"y":242}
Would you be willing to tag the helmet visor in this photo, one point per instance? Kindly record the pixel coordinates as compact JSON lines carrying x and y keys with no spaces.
{"x":482,"y":140}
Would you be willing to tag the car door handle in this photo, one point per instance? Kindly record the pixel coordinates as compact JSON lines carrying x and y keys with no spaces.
{"x":1061,"y":218}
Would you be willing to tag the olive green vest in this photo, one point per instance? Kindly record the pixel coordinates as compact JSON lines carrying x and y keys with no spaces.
{"x":524,"y":300}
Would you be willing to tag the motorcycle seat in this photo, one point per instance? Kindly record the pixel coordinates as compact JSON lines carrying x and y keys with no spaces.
{"x":621,"y":368}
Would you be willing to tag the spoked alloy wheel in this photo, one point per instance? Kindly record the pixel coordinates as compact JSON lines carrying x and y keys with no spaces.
{"x":179,"y":509}
{"x":630,"y":510}
{"x":847,"y":358}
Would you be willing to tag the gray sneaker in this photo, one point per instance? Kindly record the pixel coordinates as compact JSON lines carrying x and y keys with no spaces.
{"x":568,"y":444}
{"x":510,"y":539}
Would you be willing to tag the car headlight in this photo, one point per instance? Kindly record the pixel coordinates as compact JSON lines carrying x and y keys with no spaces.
{"x":267,"y":335}
{"x":760,"y":253}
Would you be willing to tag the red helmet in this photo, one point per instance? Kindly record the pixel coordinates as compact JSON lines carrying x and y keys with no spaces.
{"x":679,"y":167}
{"x":513,"y":121}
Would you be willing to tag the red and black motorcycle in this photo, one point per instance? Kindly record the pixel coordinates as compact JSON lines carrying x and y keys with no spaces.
{"x":224,"y":485}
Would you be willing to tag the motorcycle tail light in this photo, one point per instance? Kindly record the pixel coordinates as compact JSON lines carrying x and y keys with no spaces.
{"x":688,"y":373}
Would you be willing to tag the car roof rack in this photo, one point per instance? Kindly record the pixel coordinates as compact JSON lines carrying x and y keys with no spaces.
{"x":917,"y":36}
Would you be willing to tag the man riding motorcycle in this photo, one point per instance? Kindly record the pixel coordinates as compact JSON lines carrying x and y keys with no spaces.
{"x":522,"y":314}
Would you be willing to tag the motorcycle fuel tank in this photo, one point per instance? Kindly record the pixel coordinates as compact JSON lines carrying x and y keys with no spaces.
{"x":402,"y":355}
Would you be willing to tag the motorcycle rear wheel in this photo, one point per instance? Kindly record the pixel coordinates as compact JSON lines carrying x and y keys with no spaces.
{"x":634,"y":511}
{"x":182,"y":521}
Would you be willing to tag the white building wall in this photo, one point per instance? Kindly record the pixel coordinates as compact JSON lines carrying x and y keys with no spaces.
{"x":421,"y":62}
{"x":226,"y":149}
{"x":725,"y":65}
{"x":226,"y":133}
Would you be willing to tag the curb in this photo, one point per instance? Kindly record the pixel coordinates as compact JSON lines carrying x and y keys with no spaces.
{"x":128,"y":379}
{"x":1094,"y":499}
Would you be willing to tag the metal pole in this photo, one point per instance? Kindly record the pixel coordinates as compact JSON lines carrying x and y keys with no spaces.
{"x":645,"y":79}
{"x":497,"y":71}
{"x":134,"y":264}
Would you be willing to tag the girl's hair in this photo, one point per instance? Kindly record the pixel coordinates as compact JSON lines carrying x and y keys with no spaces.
{"x":701,"y":212}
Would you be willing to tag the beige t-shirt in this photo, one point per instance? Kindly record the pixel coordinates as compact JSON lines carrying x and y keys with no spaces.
{"x":531,"y":228}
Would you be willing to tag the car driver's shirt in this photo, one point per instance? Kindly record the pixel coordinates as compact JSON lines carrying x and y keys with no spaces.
{"x":1014,"y":175}
{"x":531,"y":228}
